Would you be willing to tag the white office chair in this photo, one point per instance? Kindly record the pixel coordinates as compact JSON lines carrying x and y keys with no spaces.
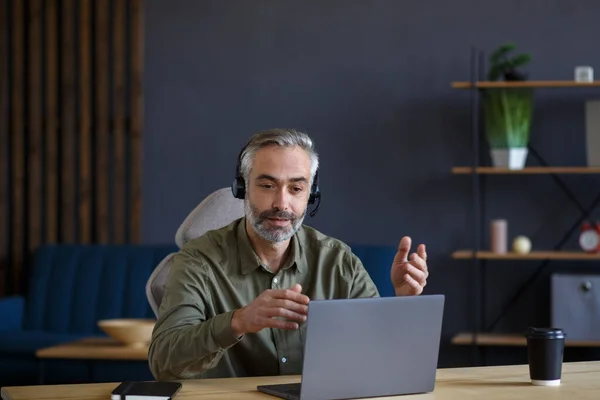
{"x":217,"y":210}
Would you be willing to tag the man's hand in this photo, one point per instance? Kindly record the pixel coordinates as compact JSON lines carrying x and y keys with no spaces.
{"x":409,"y":277}
{"x":289,"y":304}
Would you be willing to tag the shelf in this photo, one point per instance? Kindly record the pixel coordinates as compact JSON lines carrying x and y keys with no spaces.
{"x":534,"y":255}
{"x":500,"y":339}
{"x":527,"y":170}
{"x":524,"y":84}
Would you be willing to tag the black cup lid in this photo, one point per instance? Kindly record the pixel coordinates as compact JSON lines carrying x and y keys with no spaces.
{"x":545,"y":333}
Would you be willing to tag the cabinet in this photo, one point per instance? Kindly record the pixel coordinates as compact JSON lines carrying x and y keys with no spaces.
{"x":478,"y":255}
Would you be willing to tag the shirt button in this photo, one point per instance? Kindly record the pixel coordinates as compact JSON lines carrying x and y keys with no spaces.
{"x":283,"y":360}
{"x":275,"y":280}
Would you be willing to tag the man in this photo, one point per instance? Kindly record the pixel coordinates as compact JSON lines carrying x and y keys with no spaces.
{"x":236,"y":298}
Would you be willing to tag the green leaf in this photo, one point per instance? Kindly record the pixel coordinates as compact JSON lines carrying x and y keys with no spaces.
{"x":501,"y":64}
{"x":520,"y":60}
{"x":501,"y":52}
{"x":507,"y":117}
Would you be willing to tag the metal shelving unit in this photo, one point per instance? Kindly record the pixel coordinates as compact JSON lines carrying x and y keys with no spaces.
{"x":481,"y":335}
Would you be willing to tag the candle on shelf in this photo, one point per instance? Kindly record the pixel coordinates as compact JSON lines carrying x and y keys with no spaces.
{"x":499,"y":236}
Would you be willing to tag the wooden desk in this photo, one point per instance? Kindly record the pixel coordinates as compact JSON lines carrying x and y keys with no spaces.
{"x":580,"y":381}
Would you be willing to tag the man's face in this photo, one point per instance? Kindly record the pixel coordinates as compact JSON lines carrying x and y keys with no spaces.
{"x":278,"y":190}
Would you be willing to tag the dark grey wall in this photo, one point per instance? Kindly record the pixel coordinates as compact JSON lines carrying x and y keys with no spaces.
{"x":370,"y":81}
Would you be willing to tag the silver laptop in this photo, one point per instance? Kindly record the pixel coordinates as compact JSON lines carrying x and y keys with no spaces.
{"x":368,"y":347}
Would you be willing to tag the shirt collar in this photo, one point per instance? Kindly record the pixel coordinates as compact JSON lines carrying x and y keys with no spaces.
{"x":249,"y":261}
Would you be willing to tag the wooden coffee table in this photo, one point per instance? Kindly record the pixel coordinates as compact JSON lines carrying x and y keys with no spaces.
{"x":90,"y":349}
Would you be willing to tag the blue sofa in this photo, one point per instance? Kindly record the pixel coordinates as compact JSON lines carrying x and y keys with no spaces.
{"x":73,"y":286}
{"x":70,"y":288}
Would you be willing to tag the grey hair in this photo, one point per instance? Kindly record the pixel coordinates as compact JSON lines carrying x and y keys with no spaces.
{"x":282,"y":138}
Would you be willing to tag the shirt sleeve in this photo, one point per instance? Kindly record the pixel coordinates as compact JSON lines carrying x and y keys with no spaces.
{"x":185,"y":343}
{"x":362,"y":285}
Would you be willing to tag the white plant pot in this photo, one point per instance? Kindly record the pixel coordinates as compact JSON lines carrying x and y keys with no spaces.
{"x":511,"y":158}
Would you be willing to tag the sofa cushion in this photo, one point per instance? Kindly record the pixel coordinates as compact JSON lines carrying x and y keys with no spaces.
{"x":11,"y":313}
{"x":27,"y":342}
{"x":377,"y":260}
{"x":74,"y":286}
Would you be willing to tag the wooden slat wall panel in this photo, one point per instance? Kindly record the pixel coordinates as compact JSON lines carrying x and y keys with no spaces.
{"x":17,"y":184}
{"x":4,"y":147}
{"x":102,"y":132}
{"x":51,"y":139}
{"x":85,"y":125}
{"x":67,"y":123}
{"x":35,"y":136}
{"x":70,"y":127}
{"x":137,"y":116}
{"x":119,"y":104}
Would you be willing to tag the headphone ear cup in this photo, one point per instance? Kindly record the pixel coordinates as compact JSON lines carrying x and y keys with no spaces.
{"x":315,"y":193}
{"x":238,"y":188}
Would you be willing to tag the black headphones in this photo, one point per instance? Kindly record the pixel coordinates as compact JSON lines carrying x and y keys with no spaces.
{"x":238,"y":187}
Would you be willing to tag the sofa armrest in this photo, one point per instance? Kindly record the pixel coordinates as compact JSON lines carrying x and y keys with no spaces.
{"x":12,"y":310}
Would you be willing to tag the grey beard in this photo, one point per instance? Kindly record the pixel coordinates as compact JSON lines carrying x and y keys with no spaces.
{"x":275,"y":235}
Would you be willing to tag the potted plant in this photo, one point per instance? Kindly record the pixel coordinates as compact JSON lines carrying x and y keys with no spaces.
{"x":508,"y":110}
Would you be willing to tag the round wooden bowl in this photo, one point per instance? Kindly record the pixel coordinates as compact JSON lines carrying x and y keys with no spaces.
{"x":129,"y":331}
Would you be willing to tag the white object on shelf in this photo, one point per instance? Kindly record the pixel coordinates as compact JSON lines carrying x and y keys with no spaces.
{"x":592,"y":132}
{"x":589,"y":240}
{"x":584,"y":74}
{"x":522,"y":245}
{"x":512,"y":158}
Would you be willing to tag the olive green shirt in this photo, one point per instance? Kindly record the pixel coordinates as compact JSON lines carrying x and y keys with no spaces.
{"x":218,"y":273}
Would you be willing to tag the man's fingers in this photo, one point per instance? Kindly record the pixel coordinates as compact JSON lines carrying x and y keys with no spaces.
{"x":279,"y":312}
{"x":284,"y":313}
{"x":297,"y":288}
{"x":290,"y":305}
{"x":417,"y":274}
{"x":415,"y":287}
{"x":419,"y":263}
{"x":403,"y":249}
{"x":291,"y":295}
{"x":422,"y":252}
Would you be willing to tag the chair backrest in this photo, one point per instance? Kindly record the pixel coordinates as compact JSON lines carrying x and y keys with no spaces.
{"x":217,"y":210}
